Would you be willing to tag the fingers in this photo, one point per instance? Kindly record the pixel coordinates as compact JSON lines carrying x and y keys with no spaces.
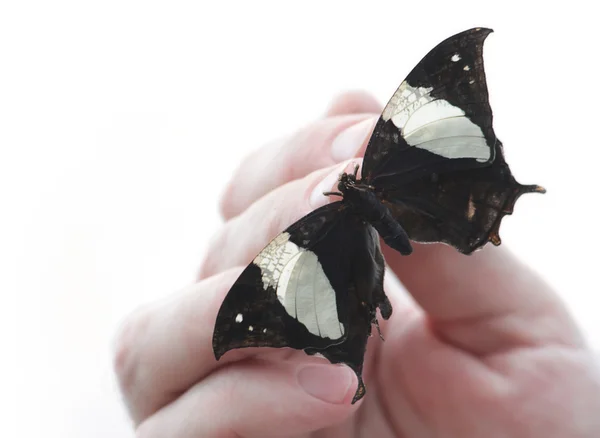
{"x":166,"y":347}
{"x":321,"y":144}
{"x":242,"y":238}
{"x":258,"y":399}
{"x":486,"y":302}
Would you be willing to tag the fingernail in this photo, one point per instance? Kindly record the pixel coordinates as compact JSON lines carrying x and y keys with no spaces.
{"x":330,"y":383}
{"x":349,"y":141}
{"x":328,"y":184}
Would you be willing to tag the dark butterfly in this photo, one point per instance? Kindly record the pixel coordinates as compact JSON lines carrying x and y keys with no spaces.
{"x":433,"y":171}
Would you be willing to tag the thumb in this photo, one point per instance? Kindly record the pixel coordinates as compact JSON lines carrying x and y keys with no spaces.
{"x":258,"y":398}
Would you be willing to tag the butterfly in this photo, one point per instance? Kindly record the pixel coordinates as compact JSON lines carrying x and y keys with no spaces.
{"x":433,"y":171}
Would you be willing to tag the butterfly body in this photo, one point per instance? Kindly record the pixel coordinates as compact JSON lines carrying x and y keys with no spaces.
{"x":362,"y":199}
{"x":433,"y":171}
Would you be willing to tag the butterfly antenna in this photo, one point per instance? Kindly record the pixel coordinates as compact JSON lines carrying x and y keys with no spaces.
{"x":378,"y":329}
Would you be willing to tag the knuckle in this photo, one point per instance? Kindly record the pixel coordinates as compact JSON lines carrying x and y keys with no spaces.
{"x":305,"y":150}
{"x":122,"y":350}
{"x":217,"y":244}
{"x":226,"y":206}
{"x":232,"y":202}
{"x":125,"y":360}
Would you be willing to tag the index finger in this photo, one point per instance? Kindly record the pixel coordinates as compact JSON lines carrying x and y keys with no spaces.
{"x":333,"y":139}
{"x":310,"y":149}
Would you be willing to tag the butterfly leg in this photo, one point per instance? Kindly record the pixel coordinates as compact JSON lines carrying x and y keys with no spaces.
{"x":332,"y":194}
{"x":379,"y":298}
{"x":376,"y":322}
{"x":382,"y":302}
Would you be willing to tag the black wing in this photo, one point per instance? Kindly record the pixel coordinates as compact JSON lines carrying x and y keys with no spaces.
{"x":463,"y":208}
{"x":315,"y":287}
{"x":439,"y":119}
{"x":434,"y":159}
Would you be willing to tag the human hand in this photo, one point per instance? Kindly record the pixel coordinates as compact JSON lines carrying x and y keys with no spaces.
{"x":485,"y":349}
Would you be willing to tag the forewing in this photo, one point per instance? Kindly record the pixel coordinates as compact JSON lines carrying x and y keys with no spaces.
{"x":439,"y":119}
{"x":462,"y":208}
{"x":314,"y":287}
{"x":261,"y":308}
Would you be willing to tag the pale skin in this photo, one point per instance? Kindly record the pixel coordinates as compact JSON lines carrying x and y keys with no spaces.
{"x":483,"y":349}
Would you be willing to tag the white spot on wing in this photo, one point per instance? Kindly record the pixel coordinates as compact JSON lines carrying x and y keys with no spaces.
{"x":250,"y":328}
{"x":466,"y":68}
{"x":455,"y":57}
{"x":239,"y":318}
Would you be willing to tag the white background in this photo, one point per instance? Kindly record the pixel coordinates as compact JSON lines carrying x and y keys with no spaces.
{"x":121,"y":121}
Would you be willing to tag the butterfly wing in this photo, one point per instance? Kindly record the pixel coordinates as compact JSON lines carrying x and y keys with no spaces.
{"x":434,"y":158}
{"x":315,"y":287}
{"x":463,"y":209}
{"x":439,"y":119}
